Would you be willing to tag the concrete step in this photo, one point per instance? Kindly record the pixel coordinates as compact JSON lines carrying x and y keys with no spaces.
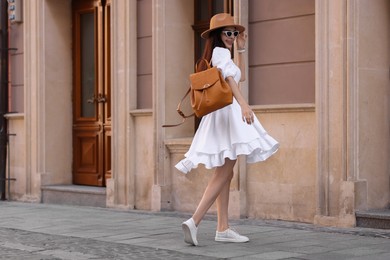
{"x":379,"y":219}
{"x":77,"y":195}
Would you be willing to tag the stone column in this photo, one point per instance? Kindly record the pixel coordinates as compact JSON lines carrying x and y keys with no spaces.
{"x":173,"y":61}
{"x":34,"y":97}
{"x":121,"y":189}
{"x":331,"y":109}
{"x":161,"y":171}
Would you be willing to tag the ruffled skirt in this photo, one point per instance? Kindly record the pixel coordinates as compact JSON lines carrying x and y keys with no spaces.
{"x":223,"y":134}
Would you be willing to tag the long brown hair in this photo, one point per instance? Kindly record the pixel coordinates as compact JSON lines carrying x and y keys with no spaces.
{"x":214,"y":40}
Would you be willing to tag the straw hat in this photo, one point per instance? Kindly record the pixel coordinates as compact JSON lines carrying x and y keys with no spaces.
{"x":220,"y":21}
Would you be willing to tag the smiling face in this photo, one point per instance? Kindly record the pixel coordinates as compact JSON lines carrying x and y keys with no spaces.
{"x":228,"y":40}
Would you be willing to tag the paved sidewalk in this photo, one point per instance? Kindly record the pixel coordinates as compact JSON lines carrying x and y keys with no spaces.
{"x":42,"y":231}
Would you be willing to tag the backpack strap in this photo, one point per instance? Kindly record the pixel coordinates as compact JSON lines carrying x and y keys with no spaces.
{"x":181,"y":112}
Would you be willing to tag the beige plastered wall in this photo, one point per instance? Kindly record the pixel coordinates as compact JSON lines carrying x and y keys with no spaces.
{"x":283,"y":187}
{"x":41,"y":151}
{"x":333,"y":157}
{"x":352,"y":59}
{"x":369,"y":35}
{"x":16,"y":156}
{"x":279,"y":188}
{"x":139,"y":160}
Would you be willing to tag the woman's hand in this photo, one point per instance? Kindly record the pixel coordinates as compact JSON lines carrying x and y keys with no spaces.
{"x":247,"y":114}
{"x":241,"y":40}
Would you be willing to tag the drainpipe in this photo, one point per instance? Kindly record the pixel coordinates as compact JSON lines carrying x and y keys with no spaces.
{"x":3,"y":93}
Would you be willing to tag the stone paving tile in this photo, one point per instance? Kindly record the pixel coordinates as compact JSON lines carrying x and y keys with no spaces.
{"x":31,"y":245}
{"x":275,"y":255}
{"x":360,"y":240}
{"x":307,"y":250}
{"x":385,"y":256}
{"x":298,"y":243}
{"x":381,"y":246}
{"x":241,"y":252}
{"x":7,"y":254}
{"x":89,"y":232}
{"x":120,"y":237}
{"x":227,"y":254}
{"x":382,"y":233}
{"x":360,"y":251}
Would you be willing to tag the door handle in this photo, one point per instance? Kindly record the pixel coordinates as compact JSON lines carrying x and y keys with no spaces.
{"x":101,"y":99}
{"x":91,"y":100}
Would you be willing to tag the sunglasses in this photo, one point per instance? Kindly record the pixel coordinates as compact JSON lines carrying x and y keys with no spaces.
{"x":231,"y":33}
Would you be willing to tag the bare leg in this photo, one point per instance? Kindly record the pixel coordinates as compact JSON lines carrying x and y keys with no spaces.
{"x":219,"y":181}
{"x":223,"y":206}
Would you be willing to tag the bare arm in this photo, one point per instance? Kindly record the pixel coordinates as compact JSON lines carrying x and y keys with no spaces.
{"x":246,"y":111}
{"x":241,"y":65}
{"x":241,"y":40}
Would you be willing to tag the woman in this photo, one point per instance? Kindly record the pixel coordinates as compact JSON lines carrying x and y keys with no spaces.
{"x":226,"y":133}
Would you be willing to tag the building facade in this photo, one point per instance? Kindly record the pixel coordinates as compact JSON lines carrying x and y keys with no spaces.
{"x":93,"y":81}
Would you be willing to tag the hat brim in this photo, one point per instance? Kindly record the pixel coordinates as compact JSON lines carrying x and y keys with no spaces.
{"x":206,"y":33}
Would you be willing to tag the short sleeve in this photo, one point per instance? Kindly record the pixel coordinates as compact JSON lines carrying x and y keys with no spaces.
{"x":222,"y":60}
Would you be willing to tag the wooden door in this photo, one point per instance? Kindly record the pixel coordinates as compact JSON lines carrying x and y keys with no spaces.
{"x":91,"y":92}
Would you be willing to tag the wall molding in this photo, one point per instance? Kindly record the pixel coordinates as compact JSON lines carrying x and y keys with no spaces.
{"x":121,"y":187}
{"x":141,"y":112}
{"x":14,"y":116}
{"x":284,"y":108}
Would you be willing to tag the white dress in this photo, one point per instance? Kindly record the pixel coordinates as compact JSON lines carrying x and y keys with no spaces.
{"x":223,"y":134}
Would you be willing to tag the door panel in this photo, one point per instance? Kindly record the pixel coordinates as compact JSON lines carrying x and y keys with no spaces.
{"x":91,"y":93}
{"x":87,"y":59}
{"x":107,"y":158}
{"x":86,"y":164}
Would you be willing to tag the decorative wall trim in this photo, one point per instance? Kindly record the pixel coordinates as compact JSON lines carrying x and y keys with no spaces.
{"x":287,"y":108}
{"x":141,"y":112}
{"x":178,"y":145}
{"x":14,"y":116}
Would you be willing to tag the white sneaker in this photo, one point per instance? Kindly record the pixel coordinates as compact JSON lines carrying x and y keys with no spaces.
{"x":230,"y":235}
{"x":190,"y":230}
